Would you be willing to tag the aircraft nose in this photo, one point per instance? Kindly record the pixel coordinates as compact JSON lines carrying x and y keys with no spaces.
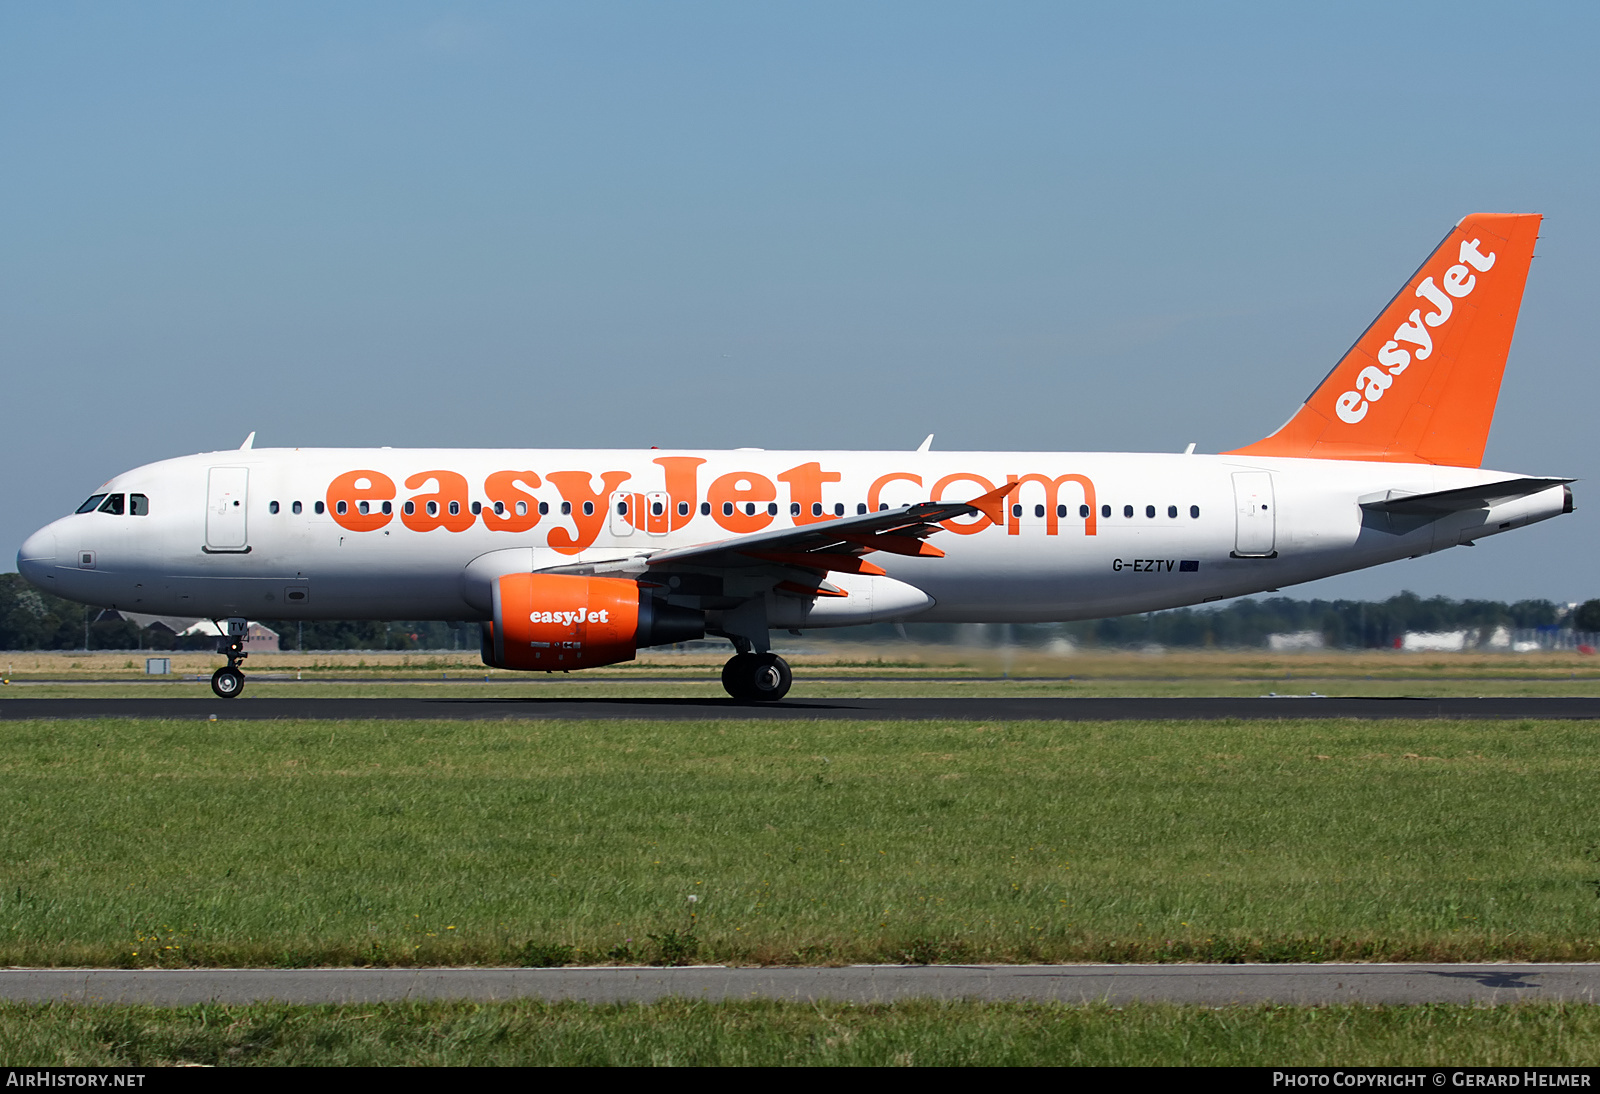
{"x":37,"y":556}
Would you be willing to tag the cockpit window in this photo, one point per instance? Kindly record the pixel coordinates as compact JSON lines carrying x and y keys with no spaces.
{"x":139,"y":505}
{"x":92,"y":504}
{"x":112,"y":505}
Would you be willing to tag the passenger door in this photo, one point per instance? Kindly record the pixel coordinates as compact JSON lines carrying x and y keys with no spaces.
{"x":227,"y":510}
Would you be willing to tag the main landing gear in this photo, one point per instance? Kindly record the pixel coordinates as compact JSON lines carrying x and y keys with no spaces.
{"x":228,"y":681}
{"x":758,"y":677}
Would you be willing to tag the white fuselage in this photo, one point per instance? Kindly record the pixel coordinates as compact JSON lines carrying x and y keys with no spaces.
{"x":230,"y":534}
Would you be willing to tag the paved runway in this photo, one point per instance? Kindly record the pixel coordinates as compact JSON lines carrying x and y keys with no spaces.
{"x":962,"y":709}
{"x":1209,"y":985}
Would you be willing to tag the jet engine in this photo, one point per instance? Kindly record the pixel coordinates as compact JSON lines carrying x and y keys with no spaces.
{"x":560,"y":621}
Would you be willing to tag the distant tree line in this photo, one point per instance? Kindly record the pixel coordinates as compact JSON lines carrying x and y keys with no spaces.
{"x":33,"y":620}
{"x":1351,"y":624}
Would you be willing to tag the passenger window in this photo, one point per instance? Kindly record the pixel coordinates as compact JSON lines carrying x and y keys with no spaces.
{"x":622,"y":508}
{"x":656,"y":508}
{"x":861,"y":509}
{"x":705,"y":509}
{"x":588,"y":508}
{"x":388,"y":508}
{"x":409,"y":508}
{"x":455,"y":509}
{"x":883,"y":506}
{"x":1038,"y":510}
{"x":816,"y":508}
{"x":683,"y":508}
{"x":522,"y":508}
{"x":1194,"y":512}
{"x":794,"y":509}
{"x":1150,"y":511}
{"x":566,"y":508}
{"x":320,"y":508}
{"x":1016,"y":510}
{"x":112,"y":505}
{"x":772,"y":508}
{"x":1172,"y":511}
{"x":363,"y":508}
{"x":838,"y":508}
{"x":1083,"y":511}
{"x":92,"y":504}
{"x":477,"y":507}
{"x":342,"y":508}
{"x":749,"y":508}
{"x":295,"y":509}
{"x":727,"y":508}
{"x":1127,"y":510}
{"x":544,"y":508}
{"x":500,"y":508}
{"x":433,"y":508}
{"x":1105,"y":511}
{"x":1061,"y":511}
{"x":272,"y":507}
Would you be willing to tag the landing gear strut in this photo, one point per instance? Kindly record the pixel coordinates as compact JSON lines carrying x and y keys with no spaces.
{"x":761,"y":677}
{"x":228,"y":681}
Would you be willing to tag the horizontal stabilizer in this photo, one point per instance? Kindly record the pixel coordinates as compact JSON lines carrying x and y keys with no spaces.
{"x":1455,"y":501}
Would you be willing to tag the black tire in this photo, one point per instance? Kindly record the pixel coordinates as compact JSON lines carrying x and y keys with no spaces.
{"x":736,"y":675}
{"x":769,"y":678}
{"x":227,"y":683}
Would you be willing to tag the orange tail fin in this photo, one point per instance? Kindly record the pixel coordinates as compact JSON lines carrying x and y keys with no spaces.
{"x":1420,"y":385}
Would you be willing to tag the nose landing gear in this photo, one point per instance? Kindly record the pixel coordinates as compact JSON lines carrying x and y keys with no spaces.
{"x":228,"y":682}
{"x":758,"y":677}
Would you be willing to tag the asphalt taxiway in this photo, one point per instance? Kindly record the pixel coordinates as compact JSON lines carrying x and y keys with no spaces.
{"x":1046,"y":708}
{"x":1207,"y":985}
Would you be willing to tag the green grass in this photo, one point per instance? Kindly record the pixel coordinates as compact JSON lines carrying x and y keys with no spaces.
{"x":679,"y":1032}
{"x":145,"y":842}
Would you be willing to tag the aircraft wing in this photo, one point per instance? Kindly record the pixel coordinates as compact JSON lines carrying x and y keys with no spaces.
{"x":1467,"y":497}
{"x":838,"y":544}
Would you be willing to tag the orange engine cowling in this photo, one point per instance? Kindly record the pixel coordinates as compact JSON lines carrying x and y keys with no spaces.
{"x":560,"y":621}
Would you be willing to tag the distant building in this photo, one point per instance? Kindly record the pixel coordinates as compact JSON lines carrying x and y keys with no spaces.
{"x":1434,"y":641}
{"x":261,"y":639}
{"x":163,"y":624}
{"x":1295,"y":640}
{"x":258,"y":639}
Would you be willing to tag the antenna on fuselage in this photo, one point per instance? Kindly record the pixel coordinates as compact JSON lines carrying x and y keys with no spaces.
{"x":249,"y":442}
{"x":927,"y":443}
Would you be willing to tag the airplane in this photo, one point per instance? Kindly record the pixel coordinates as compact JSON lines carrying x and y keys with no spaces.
{"x":571,"y":559}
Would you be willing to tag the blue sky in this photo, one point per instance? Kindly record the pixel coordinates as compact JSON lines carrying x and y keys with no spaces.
{"x":1019,"y":226}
